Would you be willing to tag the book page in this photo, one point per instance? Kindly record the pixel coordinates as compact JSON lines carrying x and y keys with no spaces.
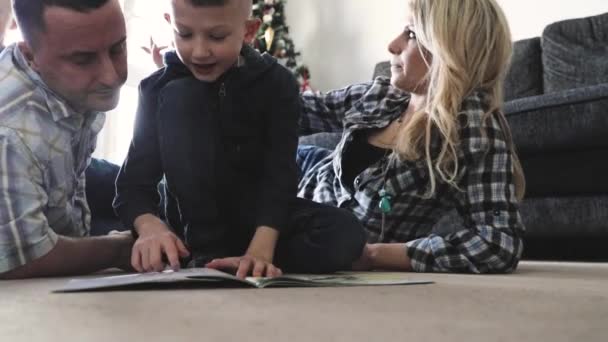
{"x":165,"y":277}
{"x":211,"y":276}
{"x":341,"y":279}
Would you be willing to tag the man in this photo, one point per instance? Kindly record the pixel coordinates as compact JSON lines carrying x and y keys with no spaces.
{"x":55,"y":86}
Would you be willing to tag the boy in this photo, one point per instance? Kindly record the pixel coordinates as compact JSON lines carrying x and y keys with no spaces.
{"x":219,"y":124}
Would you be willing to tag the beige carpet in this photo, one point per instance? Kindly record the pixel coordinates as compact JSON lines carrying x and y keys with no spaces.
{"x":541,"y":302}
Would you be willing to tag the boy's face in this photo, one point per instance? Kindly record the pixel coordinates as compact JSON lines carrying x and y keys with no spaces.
{"x":209,"y":39}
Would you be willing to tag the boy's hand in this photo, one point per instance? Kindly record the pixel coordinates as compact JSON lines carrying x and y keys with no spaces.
{"x":155,"y":241}
{"x":246,"y":265}
{"x":257,"y":261}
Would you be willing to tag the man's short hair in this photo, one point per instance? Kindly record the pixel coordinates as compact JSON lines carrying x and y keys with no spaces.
{"x":30,"y":13}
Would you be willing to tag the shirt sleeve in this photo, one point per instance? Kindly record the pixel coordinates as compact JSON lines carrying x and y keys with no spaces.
{"x":490,"y":240}
{"x":279,"y":178}
{"x":137,"y":183}
{"x":332,"y":111}
{"x":326,"y":112}
{"x":24,"y":231}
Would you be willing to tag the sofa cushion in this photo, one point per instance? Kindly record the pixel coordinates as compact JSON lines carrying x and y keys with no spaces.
{"x":577,"y":173}
{"x":525,"y":75}
{"x":574,"y":53}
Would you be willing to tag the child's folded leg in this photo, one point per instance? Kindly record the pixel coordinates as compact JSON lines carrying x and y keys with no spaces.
{"x":206,"y":242}
{"x":320,"y":239}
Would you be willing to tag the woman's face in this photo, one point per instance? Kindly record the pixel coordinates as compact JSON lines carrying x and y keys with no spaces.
{"x":408,"y":67}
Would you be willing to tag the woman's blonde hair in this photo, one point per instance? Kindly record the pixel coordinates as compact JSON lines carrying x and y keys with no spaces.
{"x":469,"y":43}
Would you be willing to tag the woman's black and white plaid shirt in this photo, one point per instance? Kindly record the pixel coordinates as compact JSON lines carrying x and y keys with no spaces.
{"x":489,"y":240}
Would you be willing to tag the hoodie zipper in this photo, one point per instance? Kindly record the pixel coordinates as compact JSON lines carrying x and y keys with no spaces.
{"x":222,"y":91}
{"x":221,"y":96}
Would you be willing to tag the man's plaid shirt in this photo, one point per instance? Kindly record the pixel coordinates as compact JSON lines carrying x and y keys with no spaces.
{"x":44,"y":149}
{"x":490,"y":238}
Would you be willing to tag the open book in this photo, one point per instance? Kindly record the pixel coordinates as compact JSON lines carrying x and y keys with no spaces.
{"x":210,"y":277}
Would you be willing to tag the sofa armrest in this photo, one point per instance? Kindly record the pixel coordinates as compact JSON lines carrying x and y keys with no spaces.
{"x":566,"y":97}
{"x":563,"y":121}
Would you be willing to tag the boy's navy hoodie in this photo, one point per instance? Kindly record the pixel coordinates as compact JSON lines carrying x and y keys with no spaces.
{"x":226,"y":149}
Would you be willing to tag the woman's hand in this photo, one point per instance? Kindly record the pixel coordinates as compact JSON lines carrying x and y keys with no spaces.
{"x":365,"y":262}
{"x":383,"y":256}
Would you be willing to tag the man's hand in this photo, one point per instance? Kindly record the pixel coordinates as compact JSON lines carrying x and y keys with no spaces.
{"x":155,"y":241}
{"x":257,"y":261}
{"x":125,"y":243}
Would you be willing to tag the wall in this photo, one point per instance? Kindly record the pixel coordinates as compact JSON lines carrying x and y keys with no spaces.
{"x":341,"y":40}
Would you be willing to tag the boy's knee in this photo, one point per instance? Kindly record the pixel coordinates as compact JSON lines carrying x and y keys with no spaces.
{"x":350,"y":237}
{"x":351,"y":227}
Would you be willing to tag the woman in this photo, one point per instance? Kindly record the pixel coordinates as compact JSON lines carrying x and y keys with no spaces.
{"x":430,"y":139}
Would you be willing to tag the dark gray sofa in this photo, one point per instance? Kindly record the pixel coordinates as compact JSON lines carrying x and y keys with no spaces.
{"x":556,"y":96}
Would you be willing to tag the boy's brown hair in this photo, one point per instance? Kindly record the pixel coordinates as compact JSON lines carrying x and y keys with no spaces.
{"x":210,"y":3}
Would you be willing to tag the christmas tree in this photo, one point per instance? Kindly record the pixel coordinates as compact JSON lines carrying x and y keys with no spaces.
{"x":273,"y":37}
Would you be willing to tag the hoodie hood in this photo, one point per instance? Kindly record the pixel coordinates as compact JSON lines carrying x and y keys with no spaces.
{"x":254,"y":65}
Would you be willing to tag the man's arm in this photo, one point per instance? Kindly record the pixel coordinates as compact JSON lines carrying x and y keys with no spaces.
{"x":28,"y":245}
{"x":78,"y":256}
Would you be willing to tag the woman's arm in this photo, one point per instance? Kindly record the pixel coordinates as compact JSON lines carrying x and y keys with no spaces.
{"x":323,"y":112}
{"x":328,"y":112}
{"x":491,"y":240}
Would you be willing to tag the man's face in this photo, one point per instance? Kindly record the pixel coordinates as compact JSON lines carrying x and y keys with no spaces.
{"x":208,"y":39}
{"x":82,"y":56}
{"x":408,"y":66}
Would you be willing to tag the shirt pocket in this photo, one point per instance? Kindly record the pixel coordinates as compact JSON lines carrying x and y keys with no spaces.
{"x":60,"y":195}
